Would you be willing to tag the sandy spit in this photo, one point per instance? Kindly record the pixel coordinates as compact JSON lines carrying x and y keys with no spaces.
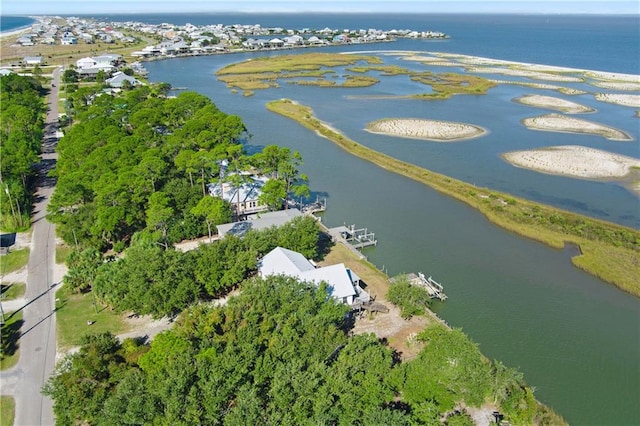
{"x":562,"y":123}
{"x":575,"y":161}
{"x":550,"y":102}
{"x":619,"y":99}
{"x":434,"y":130}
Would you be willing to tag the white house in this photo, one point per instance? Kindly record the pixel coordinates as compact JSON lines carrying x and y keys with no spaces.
{"x":33,"y":60}
{"x":343,"y":284}
{"x":86,"y":63}
{"x":119,"y":78}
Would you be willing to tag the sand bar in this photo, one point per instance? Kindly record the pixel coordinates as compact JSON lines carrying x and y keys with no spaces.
{"x":433,"y":130}
{"x":619,"y":99}
{"x":562,"y":123}
{"x":551,"y":102}
{"x":575,"y":161}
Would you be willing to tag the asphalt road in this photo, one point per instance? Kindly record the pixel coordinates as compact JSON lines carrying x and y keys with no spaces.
{"x":38,"y":333}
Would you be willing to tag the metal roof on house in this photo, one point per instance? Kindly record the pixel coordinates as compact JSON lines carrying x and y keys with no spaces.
{"x":339,"y":278}
{"x":284,"y":261}
{"x":258,"y":222}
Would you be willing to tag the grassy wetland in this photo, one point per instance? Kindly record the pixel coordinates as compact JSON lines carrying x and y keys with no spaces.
{"x":608,"y":251}
{"x":312,"y":70}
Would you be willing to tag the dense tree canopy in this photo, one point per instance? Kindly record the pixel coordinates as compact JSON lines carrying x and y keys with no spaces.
{"x":21,"y":130}
{"x":279,"y":353}
{"x":128,"y":163}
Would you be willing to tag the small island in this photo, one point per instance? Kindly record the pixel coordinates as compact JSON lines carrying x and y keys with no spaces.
{"x":575,"y":161}
{"x":562,"y":123}
{"x":432,"y":130}
{"x":619,"y":99}
{"x":551,"y":102}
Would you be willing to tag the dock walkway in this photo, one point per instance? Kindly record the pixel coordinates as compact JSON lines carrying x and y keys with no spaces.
{"x":435,"y":289}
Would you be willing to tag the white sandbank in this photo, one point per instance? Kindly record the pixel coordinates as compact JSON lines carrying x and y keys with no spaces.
{"x":562,"y":123}
{"x":433,"y":130}
{"x":619,"y":99}
{"x":575,"y":161}
{"x":551,"y":102}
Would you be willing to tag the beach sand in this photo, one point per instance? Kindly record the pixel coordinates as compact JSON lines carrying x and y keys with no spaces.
{"x":561,"y":123}
{"x":619,"y":99}
{"x":575,"y":161}
{"x":550,"y":102}
{"x":433,"y":130}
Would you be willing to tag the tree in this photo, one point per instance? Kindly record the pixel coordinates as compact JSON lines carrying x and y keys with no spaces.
{"x":82,"y":269}
{"x":70,"y":76}
{"x":159,"y":213}
{"x":273,"y":194}
{"x":214,"y":210}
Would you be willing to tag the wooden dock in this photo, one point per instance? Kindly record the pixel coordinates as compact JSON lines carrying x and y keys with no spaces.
{"x":356,"y":237}
{"x":434,"y":288}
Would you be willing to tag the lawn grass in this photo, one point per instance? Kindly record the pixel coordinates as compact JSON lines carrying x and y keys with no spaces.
{"x":11,"y":291}
{"x":62,"y":251}
{"x":7,"y":410}
{"x":74,"y":310}
{"x":10,"y":340}
{"x":14,"y":261}
{"x":609,"y":251}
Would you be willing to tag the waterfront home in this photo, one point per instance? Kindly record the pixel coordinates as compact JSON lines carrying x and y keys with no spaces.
{"x":342,"y":283}
{"x":245,"y":198}
{"x":119,"y":78}
{"x":258,"y":222}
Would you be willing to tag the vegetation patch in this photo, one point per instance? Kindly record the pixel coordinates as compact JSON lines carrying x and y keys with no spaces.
{"x":411,"y":299}
{"x":12,"y":291}
{"x":10,"y":339}
{"x":280,"y":353}
{"x":7,"y":410}
{"x":79,"y":314}
{"x":304,"y":70}
{"x":14,"y":260}
{"x":445,"y":85}
{"x":543,"y":223}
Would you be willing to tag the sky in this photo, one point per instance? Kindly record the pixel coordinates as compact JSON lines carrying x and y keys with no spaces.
{"x":84,"y":7}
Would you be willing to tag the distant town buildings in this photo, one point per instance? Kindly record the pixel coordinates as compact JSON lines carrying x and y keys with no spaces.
{"x":188,"y":39}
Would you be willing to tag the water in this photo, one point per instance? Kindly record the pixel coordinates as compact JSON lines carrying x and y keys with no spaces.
{"x":576,"y":339}
{"x":11,"y":23}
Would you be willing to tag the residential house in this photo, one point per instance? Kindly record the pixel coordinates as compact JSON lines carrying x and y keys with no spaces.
{"x":258,"y":222}
{"x":33,"y":60}
{"x":343,"y":284}
{"x":119,"y":78}
{"x":244,"y":199}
